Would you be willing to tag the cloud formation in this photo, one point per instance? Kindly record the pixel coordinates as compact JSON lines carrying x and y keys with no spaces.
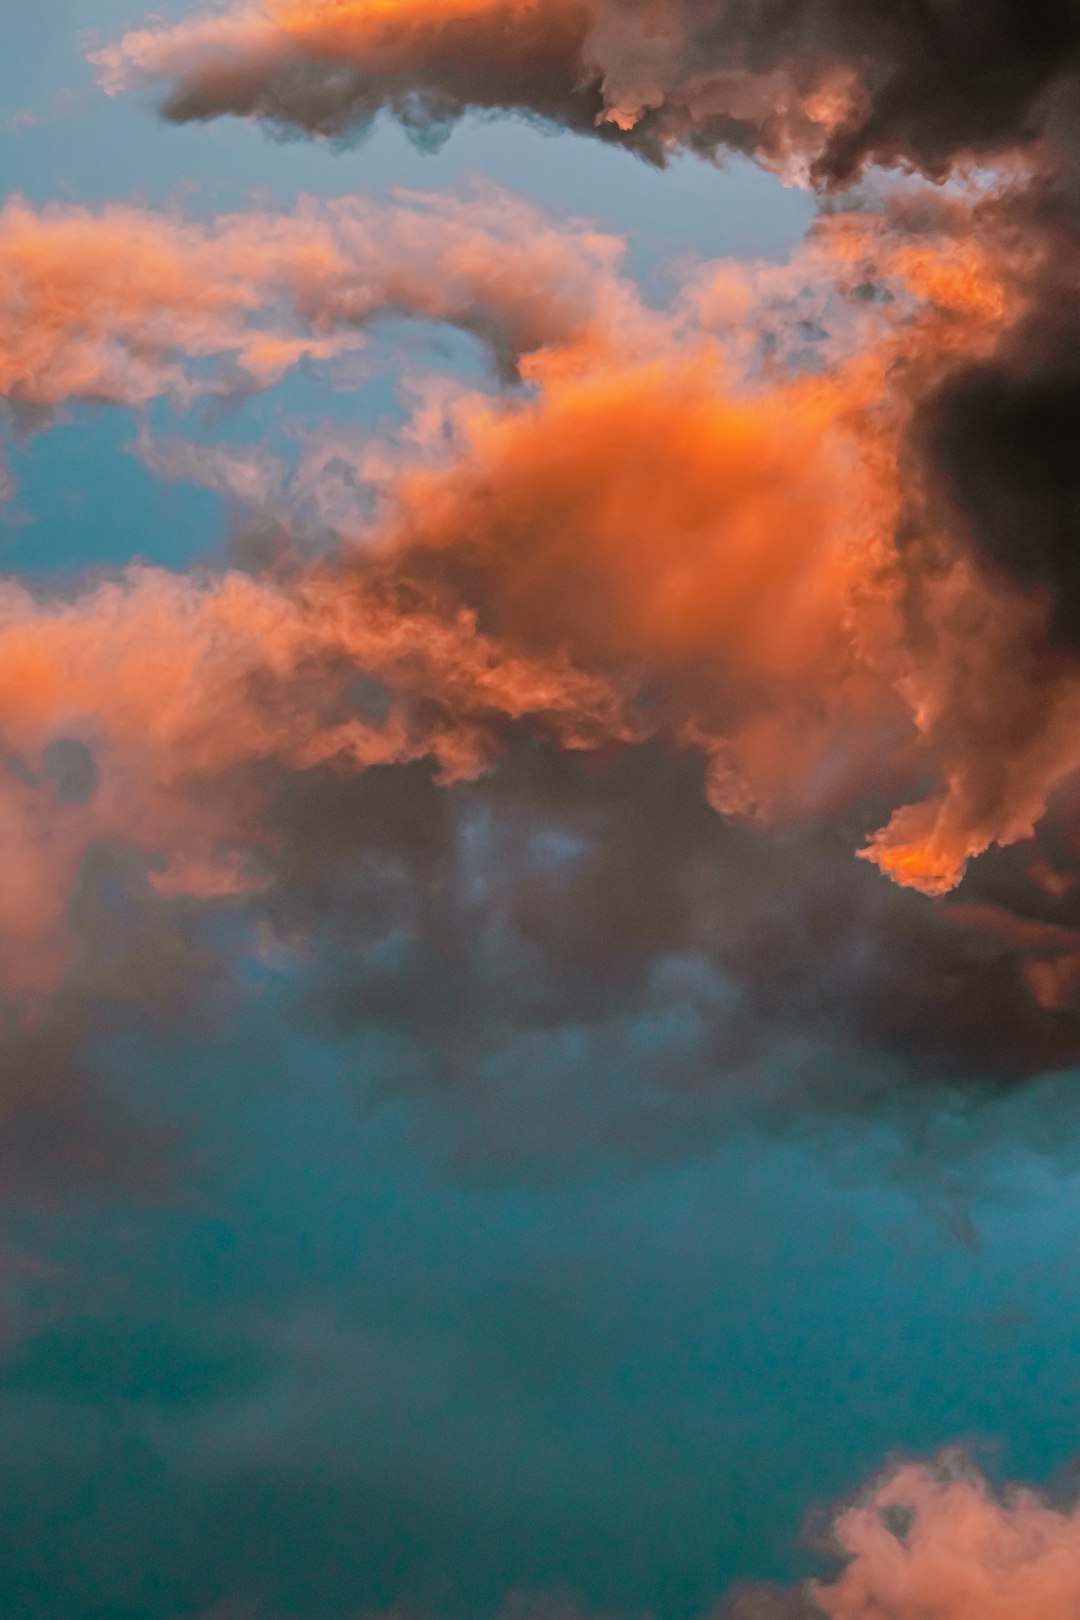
{"x":823,"y":89}
{"x":124,"y":305}
{"x":552,"y":761}
{"x":722,"y":528}
{"x":923,"y":1545}
{"x":749,"y":545}
{"x":178,"y":686}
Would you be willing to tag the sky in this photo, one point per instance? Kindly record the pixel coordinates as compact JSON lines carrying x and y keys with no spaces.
{"x":540,"y":711}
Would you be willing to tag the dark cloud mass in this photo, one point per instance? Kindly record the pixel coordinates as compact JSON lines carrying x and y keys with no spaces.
{"x":995,"y":441}
{"x":554,"y":914}
{"x":476,"y":950}
{"x":839,"y":85}
{"x":1005,"y":438}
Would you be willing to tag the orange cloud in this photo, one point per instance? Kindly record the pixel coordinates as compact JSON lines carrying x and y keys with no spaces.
{"x":710,"y":527}
{"x":655,"y":522}
{"x":180,"y":688}
{"x":126,"y":305}
{"x":728,"y":543}
{"x":925,"y":1546}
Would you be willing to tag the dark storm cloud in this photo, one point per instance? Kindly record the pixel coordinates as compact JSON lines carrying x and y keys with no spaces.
{"x":994,"y":443}
{"x":838,"y":84}
{"x":1007,"y":442}
{"x":999,"y":438}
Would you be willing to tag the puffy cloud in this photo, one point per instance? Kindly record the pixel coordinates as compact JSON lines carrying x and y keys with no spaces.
{"x":729,"y":543}
{"x":925,"y":1546}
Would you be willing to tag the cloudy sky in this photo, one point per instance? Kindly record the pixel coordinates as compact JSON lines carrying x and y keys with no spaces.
{"x":540,"y":810}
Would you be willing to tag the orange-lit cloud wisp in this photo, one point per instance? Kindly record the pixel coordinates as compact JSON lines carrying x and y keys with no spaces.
{"x":613,"y":71}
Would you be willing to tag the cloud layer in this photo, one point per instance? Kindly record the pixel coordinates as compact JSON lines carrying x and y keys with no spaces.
{"x":716,"y":527}
{"x":125,"y":305}
{"x":819,"y":89}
